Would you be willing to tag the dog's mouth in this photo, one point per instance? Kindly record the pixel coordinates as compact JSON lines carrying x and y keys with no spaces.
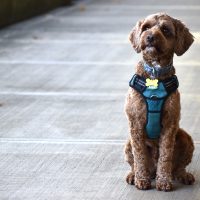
{"x":152,"y":48}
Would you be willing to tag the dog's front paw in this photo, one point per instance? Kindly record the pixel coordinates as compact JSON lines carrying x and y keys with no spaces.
{"x":164,"y":185}
{"x":186,"y":178}
{"x":143,"y":184}
{"x":130,"y":179}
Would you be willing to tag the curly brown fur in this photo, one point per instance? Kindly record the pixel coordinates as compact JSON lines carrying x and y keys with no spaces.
{"x":167,"y":157}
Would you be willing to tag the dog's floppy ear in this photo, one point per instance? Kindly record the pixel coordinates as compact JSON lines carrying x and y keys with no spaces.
{"x":184,"y":38}
{"x":134,"y":36}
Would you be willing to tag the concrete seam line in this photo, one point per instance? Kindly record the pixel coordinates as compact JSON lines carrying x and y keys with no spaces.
{"x":81,"y":63}
{"x":64,"y":141}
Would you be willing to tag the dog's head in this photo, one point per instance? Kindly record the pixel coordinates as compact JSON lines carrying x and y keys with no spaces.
{"x":160,"y":35}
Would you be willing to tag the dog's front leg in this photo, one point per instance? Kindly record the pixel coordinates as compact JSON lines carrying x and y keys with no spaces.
{"x":164,"y":167}
{"x":142,"y":175}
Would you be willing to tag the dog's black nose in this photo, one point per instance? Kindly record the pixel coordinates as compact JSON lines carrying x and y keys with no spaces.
{"x":150,"y":38}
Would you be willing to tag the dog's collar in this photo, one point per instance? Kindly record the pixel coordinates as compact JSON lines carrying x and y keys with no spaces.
{"x":157,"y":71}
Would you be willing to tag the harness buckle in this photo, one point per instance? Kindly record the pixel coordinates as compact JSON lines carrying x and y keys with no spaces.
{"x":154,"y":97}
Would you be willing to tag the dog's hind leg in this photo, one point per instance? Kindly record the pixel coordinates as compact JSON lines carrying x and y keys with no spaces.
{"x":130,"y":179}
{"x":182,"y":157}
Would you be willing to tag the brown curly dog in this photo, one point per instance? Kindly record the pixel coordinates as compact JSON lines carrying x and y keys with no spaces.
{"x":158,"y":147}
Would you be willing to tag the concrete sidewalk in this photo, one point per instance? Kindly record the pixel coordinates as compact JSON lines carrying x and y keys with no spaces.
{"x":63,"y":81}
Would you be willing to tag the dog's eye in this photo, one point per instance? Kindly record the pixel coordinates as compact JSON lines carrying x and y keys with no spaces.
{"x":165,"y":30}
{"x":146,"y":27}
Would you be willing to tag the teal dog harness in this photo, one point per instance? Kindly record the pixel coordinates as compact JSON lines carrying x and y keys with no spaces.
{"x":155,"y":98}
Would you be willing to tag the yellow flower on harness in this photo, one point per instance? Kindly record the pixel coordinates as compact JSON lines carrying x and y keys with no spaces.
{"x":152,"y":84}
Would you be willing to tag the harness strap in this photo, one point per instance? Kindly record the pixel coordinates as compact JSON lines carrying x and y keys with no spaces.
{"x":139,"y":83}
{"x":171,"y":84}
{"x":155,"y":100}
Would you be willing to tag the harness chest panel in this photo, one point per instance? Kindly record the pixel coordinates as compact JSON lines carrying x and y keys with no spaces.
{"x":154,"y":99}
